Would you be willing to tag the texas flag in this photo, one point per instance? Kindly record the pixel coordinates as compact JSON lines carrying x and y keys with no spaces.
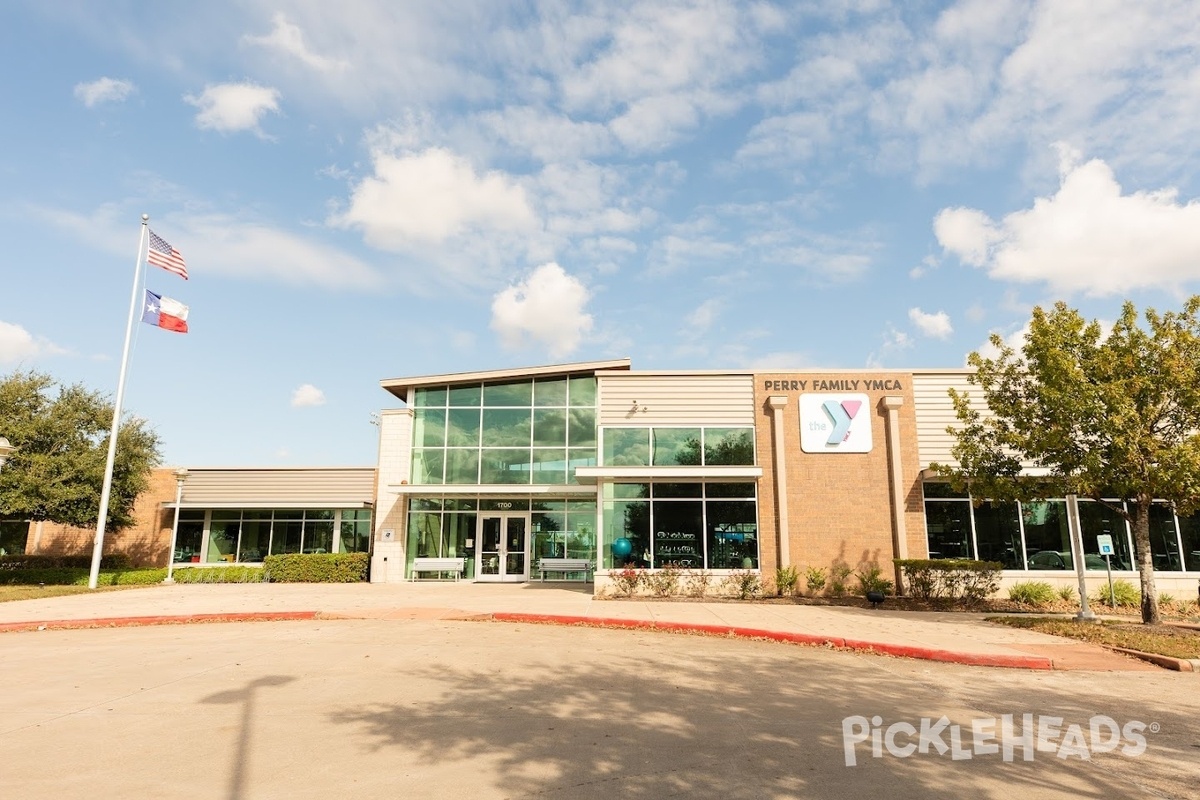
{"x":163,"y":312}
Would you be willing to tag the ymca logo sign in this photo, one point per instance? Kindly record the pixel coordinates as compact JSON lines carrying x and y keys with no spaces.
{"x":835,"y":423}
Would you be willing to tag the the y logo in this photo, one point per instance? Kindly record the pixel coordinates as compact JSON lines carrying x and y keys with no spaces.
{"x":841,"y":415}
{"x":830,"y":423}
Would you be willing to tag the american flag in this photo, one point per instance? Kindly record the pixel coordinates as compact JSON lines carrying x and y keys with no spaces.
{"x":163,"y":255}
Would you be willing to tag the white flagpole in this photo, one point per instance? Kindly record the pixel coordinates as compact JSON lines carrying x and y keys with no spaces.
{"x":98,"y":548}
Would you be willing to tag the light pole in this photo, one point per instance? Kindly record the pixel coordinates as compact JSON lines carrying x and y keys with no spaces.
{"x":180,"y":476}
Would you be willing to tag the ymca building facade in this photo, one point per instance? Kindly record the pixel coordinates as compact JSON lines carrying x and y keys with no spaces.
{"x":715,"y":470}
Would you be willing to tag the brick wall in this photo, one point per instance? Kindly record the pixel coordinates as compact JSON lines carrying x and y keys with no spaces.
{"x":839,"y":504}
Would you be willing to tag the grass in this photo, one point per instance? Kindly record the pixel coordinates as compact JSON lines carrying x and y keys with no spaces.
{"x":1165,"y":640}
{"x":8,"y":593}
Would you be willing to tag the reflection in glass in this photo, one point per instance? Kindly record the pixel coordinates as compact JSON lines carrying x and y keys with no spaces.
{"x":430,"y":397}
{"x":678,"y":534}
{"x":508,"y":466}
{"x":427,"y":466}
{"x":948,"y":527}
{"x":462,"y":466}
{"x":518,"y":393}
{"x":223,"y":532}
{"x":729,"y":446}
{"x":190,"y":536}
{"x":462,"y":427}
{"x":1097,"y":519}
{"x":550,"y":466}
{"x":1164,"y":545}
{"x":1047,"y":537}
{"x":627,"y":520}
{"x":550,"y":427}
{"x":1189,"y":531}
{"x":552,"y":392}
{"x":256,"y":536}
{"x":675,"y":446}
{"x":627,"y":447}
{"x":998,"y":534}
{"x":464,"y":396}
{"x":732,"y":534}
{"x":506,"y":427}
{"x":583,"y":391}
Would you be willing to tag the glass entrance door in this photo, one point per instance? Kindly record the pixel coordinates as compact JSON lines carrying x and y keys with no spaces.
{"x":502,"y":550}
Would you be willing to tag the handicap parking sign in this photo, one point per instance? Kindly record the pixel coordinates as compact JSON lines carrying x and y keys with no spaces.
{"x":1105,"y":543}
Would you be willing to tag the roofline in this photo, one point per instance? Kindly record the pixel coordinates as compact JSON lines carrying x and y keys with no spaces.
{"x":790,"y":371}
{"x":400,"y":386}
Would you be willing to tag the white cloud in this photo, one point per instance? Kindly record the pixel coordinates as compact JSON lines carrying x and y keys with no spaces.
{"x":428,"y":197}
{"x":548,"y":306}
{"x":701,"y":319}
{"x":18,"y":344}
{"x":1087,"y":237}
{"x":935,"y":325}
{"x":232,"y":107}
{"x":894,"y":342}
{"x":288,"y":39}
{"x":103,"y":90}
{"x":307,"y":395}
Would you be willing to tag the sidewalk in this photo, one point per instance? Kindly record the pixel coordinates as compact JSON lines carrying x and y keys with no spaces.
{"x":952,"y":637}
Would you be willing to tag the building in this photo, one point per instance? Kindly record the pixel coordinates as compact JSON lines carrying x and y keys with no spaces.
{"x":719,"y":470}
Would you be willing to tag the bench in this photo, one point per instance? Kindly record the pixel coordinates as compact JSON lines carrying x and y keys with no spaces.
{"x":565,"y":565}
{"x":438,"y":565}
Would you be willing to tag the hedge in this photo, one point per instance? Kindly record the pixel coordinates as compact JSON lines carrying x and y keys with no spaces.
{"x":235,"y":574}
{"x":316,"y":568}
{"x":78,"y":576}
{"x":950,"y":578}
{"x":113,"y":561}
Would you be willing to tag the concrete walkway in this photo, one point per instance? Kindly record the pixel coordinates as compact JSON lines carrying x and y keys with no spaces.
{"x":953,"y":637}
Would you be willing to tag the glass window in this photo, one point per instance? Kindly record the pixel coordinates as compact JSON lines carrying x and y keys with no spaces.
{"x":732,"y":534}
{"x":550,"y":466}
{"x":582,"y":427}
{"x":552,"y":392}
{"x":189,"y":540}
{"x":1047,"y":537}
{"x":627,"y":533}
{"x":287,"y":532}
{"x":729,"y":489}
{"x":1189,"y":531}
{"x":355,"y":531}
{"x":580,"y":533}
{"x":1164,"y":545}
{"x":506,"y":427}
{"x":579,"y":457}
{"x":464,"y":396}
{"x":461,"y":504}
{"x":223,"y":536}
{"x":675,"y":446}
{"x":507,"y":504}
{"x":1096,"y":519}
{"x":519,"y":393}
{"x":626,"y":490}
{"x":462,"y":466}
{"x":460,"y":540}
{"x":998,"y":534}
{"x":729,"y":446}
{"x":427,"y":397}
{"x":424,"y":537}
{"x":627,"y":447}
{"x":549,"y":540}
{"x":549,"y":427}
{"x":318,"y":532}
{"x":429,"y":427}
{"x":462,"y":428}
{"x":678,"y":489}
{"x":427,"y":466}
{"x":583,"y":392}
{"x":678,"y":533}
{"x":948,"y":526}
{"x":13,"y":534}
{"x":256,"y":536}
{"x":504,"y":466}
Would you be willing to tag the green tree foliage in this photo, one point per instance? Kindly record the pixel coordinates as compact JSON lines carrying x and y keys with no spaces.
{"x":57,"y":470}
{"x":1104,"y":417}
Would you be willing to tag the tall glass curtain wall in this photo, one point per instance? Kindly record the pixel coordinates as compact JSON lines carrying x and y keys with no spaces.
{"x":249,"y":535}
{"x":1036,"y":535}
{"x":525,"y":432}
{"x":446,"y":527}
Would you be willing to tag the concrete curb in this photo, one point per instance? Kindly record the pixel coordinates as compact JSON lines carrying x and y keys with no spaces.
{"x":177,"y":619}
{"x":1167,"y":662}
{"x":881,"y":648}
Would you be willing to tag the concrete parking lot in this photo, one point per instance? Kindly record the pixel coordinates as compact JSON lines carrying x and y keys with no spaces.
{"x":444,"y":708}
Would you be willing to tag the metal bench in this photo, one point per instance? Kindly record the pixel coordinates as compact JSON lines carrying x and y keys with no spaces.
{"x":438,"y":565}
{"x":565,"y":565}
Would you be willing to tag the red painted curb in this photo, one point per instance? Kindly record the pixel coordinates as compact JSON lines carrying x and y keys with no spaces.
{"x":179,"y":619}
{"x":905,"y":651}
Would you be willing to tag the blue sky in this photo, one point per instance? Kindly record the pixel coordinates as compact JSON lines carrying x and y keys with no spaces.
{"x":368,"y":190}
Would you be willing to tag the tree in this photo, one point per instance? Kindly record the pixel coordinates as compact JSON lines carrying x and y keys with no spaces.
{"x":1114,"y":416}
{"x":57,"y":471}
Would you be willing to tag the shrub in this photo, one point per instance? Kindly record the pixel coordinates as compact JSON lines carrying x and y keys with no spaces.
{"x":744,"y":584}
{"x":814,"y":579}
{"x":1033,"y":593}
{"x":627,"y":580}
{"x":664,"y":582}
{"x":838,"y":578}
{"x":697,"y":582}
{"x":950,"y":579}
{"x":315,"y":568}
{"x":1125,"y":593}
{"x":79,"y":576}
{"x":112,"y":561}
{"x":786,"y":579}
{"x":872,"y":580}
{"x":1066,"y":593}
